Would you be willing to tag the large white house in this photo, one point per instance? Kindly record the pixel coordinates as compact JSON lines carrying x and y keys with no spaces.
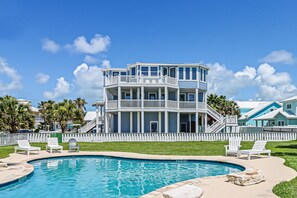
{"x":160,"y":98}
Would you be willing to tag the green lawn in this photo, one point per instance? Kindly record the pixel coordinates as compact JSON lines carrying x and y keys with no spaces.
{"x":286,"y":150}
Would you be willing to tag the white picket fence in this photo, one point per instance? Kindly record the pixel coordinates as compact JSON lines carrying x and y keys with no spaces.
{"x":150,"y":137}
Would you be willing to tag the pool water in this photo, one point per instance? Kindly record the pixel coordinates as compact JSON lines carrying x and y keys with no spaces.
{"x":99,"y":176}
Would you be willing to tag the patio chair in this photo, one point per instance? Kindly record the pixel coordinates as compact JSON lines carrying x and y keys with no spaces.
{"x":23,"y":145}
{"x":258,"y":148}
{"x":52,"y":144}
{"x":234,"y":145}
{"x":73,"y":146}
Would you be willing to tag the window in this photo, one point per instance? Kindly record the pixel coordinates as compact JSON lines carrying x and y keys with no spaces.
{"x":152,"y":96}
{"x":191,"y":97}
{"x":115,"y":73}
{"x":154,"y":126}
{"x":127,"y":95}
{"x":172,"y":72}
{"x":144,"y":71}
{"x":182,"y":97}
{"x":123,"y":73}
{"x":165,"y":71}
{"x":187,"y":73}
{"x":154,"y":71}
{"x":181,"y":73}
{"x":201,"y":74}
{"x":133,"y":71}
{"x":194,"y":73}
{"x":163,"y":96}
{"x":289,"y":106}
{"x":204,"y":77}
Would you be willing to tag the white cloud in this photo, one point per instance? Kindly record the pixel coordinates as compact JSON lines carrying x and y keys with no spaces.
{"x":89,"y":81}
{"x":268,"y":83}
{"x":62,"y":88}
{"x":96,"y":45}
{"x":106,"y":64}
{"x":50,"y":46}
{"x":11,"y":73}
{"x":42,"y":78}
{"x":279,"y":56}
{"x":90,"y":59}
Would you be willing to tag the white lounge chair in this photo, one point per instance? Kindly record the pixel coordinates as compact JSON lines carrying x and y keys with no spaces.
{"x":52,"y":144}
{"x":23,"y":145}
{"x":234,"y":145}
{"x":258,"y":148}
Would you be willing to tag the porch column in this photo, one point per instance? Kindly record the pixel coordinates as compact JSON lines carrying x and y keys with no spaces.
{"x":106,"y":123}
{"x":190,"y":123}
{"x":196,"y":98}
{"x":142,"y":121}
{"x":159,"y":122}
{"x":205,"y":122}
{"x":196,"y":122}
{"x":178,"y":122}
{"x":159,"y":94}
{"x":131,"y":122}
{"x":119,"y":122}
{"x":97,"y":118}
{"x":142,"y":98}
{"x":138,"y":122}
{"x":119,"y":97}
{"x":166,"y":112}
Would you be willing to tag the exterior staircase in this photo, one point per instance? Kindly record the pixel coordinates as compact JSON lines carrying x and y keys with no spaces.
{"x":220,"y":122}
{"x":88,"y":126}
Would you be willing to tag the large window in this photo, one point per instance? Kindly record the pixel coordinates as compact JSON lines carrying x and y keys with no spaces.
{"x":152,"y":95}
{"x":144,"y":71}
{"x":187,"y":73}
{"x":154,"y":71}
{"x":203,"y":74}
{"x":289,"y":106}
{"x":154,"y":126}
{"x":194,"y":73}
{"x":204,"y":77}
{"x":181,"y":73}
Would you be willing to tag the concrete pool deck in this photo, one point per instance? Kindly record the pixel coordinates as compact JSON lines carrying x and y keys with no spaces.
{"x":213,"y":187}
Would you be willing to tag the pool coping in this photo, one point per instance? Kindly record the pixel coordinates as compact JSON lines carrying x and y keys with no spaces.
{"x":23,"y":160}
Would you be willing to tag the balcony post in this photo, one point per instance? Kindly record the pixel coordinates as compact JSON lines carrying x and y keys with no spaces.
{"x":205,"y":122}
{"x":131,"y":122}
{"x":97,"y":118}
{"x":178,"y":122}
{"x":142,"y":97}
{"x":166,"y":112}
{"x":142,"y":121}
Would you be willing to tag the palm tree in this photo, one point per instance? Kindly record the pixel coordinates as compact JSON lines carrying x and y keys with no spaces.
{"x":222,"y":105}
{"x":14,"y":115}
{"x":46,"y":109}
{"x":80,"y":103}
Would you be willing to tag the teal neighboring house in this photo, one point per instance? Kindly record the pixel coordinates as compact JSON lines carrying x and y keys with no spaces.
{"x":249,"y":118}
{"x":285,"y":116}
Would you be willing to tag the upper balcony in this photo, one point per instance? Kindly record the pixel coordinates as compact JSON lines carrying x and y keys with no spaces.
{"x":155,"y":104}
{"x":138,"y":80}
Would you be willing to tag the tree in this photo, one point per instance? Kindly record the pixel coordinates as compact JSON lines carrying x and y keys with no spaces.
{"x":46,"y":109}
{"x":80,"y":103}
{"x":14,"y":115}
{"x":222,"y":105}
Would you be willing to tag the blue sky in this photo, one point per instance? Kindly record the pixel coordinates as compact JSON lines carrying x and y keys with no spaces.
{"x":250,"y":46}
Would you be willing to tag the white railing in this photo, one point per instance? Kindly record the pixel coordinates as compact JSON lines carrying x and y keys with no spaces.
{"x":130,"y":103}
{"x":214,"y":113}
{"x":231,"y":119}
{"x":113,"y":104}
{"x":201,"y":105}
{"x":187,"y":105}
{"x":114,"y":80}
{"x":154,"y":103}
{"x":150,"y":137}
{"x":172,"y":104}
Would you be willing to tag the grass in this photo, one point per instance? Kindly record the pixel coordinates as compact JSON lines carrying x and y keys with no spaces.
{"x":286,"y":150}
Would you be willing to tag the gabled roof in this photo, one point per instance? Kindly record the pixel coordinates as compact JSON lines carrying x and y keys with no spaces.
{"x":271,"y":115}
{"x":256,"y":110}
{"x":290,"y":99}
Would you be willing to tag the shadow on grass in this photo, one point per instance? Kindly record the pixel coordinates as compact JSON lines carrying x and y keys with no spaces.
{"x":291,"y":146}
{"x":284,"y":154}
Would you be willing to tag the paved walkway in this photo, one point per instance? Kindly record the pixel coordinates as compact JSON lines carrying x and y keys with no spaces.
{"x":214,"y":187}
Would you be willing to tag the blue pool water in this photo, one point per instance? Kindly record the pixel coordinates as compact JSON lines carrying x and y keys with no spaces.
{"x":98,"y":176}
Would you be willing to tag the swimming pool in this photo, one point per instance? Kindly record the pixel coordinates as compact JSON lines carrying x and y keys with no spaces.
{"x":101,"y":176}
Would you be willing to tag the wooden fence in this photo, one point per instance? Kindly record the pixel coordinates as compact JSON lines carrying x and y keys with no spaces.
{"x":150,"y":137}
